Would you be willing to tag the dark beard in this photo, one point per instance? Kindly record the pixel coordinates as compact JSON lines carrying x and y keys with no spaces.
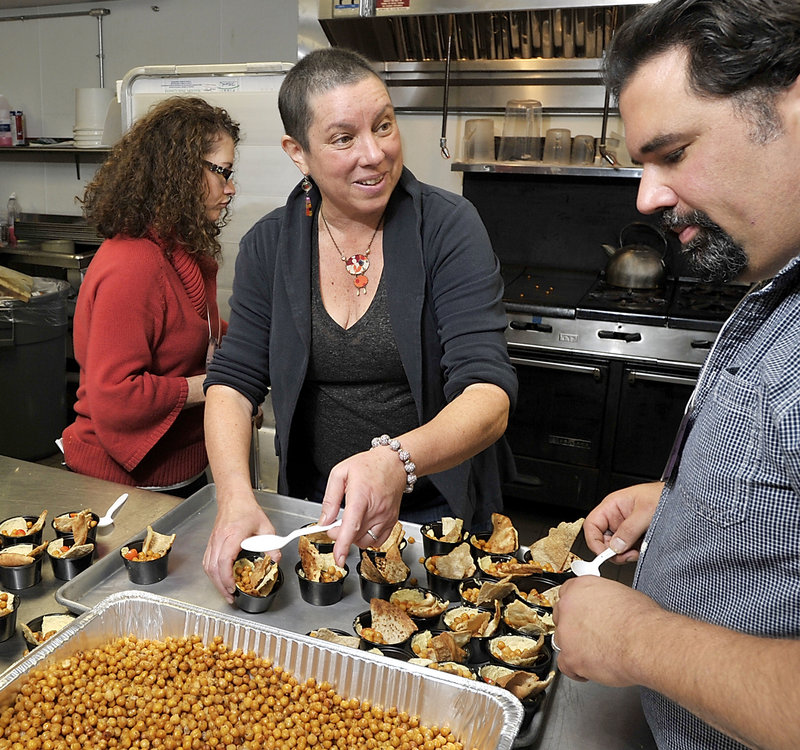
{"x":713,"y":254}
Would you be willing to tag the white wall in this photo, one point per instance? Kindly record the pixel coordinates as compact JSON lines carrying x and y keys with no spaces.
{"x":43,"y":61}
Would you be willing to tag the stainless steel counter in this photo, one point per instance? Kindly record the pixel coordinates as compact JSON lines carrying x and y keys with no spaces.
{"x":576,"y":715}
{"x":29,"y":488}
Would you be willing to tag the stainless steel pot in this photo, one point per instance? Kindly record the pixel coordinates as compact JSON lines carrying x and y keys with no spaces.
{"x":637,"y":265}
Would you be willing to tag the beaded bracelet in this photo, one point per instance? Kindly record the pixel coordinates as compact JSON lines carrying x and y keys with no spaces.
{"x":403,"y":455}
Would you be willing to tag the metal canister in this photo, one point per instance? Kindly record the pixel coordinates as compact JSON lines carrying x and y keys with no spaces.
{"x":18,"y":128}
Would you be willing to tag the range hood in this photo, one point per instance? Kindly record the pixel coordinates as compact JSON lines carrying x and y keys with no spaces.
{"x":417,"y":30}
{"x":484,"y":51}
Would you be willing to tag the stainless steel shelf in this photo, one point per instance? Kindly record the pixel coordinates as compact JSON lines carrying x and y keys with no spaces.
{"x":55,"y":148}
{"x":540,"y":168}
{"x":32,"y":253}
{"x":57,"y":153}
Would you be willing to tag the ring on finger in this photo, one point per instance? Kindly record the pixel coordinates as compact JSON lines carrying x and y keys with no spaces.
{"x":372,"y":534}
{"x":553,"y":643}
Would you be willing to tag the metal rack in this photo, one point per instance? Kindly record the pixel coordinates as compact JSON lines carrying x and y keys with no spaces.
{"x":541,"y":168}
{"x":57,"y":153}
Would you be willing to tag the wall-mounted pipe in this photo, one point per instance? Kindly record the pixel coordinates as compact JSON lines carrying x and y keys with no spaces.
{"x":97,"y":13}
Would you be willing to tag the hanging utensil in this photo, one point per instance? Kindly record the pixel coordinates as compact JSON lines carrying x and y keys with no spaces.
{"x":602,"y":146}
{"x":443,"y":139}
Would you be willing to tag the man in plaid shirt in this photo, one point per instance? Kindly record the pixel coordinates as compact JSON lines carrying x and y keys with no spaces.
{"x":709,"y":91}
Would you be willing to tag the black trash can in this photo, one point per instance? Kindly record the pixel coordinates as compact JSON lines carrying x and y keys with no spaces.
{"x":33,"y":351}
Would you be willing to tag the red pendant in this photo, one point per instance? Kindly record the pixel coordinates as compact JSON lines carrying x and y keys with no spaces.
{"x":357,"y":264}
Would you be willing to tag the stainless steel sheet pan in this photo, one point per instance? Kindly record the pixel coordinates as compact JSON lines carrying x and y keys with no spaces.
{"x":191,"y":522}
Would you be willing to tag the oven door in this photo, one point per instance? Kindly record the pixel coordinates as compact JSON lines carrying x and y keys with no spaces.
{"x":556,"y":430}
{"x":651,"y":405}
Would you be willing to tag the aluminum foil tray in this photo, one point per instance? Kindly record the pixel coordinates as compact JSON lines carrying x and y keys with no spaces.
{"x":480,"y":715}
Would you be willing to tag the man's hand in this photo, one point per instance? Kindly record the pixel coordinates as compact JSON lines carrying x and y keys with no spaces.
{"x":621,"y":520}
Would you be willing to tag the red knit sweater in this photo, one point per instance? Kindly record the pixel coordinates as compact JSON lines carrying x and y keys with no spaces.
{"x":140,"y":329}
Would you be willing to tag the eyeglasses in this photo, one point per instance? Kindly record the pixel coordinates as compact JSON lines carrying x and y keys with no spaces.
{"x":217,"y":169}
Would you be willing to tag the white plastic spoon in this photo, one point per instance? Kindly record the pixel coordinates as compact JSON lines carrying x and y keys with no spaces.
{"x":267,"y":542}
{"x":592,"y":568}
{"x":108,"y":518}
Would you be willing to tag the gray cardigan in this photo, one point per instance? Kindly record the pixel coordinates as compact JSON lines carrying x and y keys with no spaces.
{"x":445,"y":308}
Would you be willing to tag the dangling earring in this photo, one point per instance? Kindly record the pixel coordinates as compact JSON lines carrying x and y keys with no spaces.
{"x":306,"y":185}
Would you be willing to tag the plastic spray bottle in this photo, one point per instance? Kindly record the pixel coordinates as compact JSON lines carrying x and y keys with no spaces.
{"x":5,"y":122}
{"x":12,"y":219}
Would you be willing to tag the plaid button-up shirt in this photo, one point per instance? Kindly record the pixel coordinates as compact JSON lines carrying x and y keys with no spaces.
{"x":724,"y":544}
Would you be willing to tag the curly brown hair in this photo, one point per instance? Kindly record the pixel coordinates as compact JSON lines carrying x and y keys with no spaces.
{"x":152,"y":184}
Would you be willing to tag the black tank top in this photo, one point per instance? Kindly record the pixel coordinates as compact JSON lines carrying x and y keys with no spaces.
{"x":355,"y":387}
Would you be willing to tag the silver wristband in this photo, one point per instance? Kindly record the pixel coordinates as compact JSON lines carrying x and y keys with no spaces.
{"x":403,"y":455}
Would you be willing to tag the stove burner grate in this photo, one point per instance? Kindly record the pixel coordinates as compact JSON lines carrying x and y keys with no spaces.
{"x":627,"y":297}
{"x":707,"y":301}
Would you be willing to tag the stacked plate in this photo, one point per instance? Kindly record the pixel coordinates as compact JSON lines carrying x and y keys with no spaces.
{"x":91,"y":107}
{"x":87,"y":138}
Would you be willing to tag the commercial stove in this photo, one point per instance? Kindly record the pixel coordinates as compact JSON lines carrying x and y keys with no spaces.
{"x":568,"y":311}
{"x":604,"y":374}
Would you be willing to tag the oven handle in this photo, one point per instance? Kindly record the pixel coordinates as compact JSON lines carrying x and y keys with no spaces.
{"x":653,"y":377}
{"x":595,"y":372}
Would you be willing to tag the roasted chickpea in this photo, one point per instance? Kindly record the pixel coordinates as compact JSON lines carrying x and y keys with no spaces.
{"x":116,"y":696}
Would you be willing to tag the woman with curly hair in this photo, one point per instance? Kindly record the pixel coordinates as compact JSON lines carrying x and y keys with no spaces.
{"x":146,"y":319}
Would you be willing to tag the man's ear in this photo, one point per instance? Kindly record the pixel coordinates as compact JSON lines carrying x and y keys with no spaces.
{"x":295,"y":152}
{"x":792,"y":102}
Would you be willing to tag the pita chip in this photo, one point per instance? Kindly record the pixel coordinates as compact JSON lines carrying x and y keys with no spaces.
{"x":13,"y":526}
{"x":491,"y":591}
{"x":508,"y":568}
{"x":504,"y":539}
{"x":76,"y":550}
{"x":16,"y":524}
{"x":392,"y":568}
{"x":76,"y":524}
{"x":554,"y":549}
{"x":155,"y":543}
{"x":326,"y":634}
{"x":315,"y":564}
{"x":15,"y":559}
{"x":441,"y":647}
{"x":39,"y":525}
{"x":391,"y":621}
{"x":455,"y":564}
{"x":521,"y":684}
{"x":419,"y":603}
{"x":525,"y":649}
{"x":527,"y":620}
{"x":392,"y":544}
{"x":368,"y":569}
{"x":451,"y":667}
{"x":451,"y":529}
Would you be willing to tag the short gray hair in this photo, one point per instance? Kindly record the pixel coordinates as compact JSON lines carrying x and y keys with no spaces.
{"x":319,"y":71}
